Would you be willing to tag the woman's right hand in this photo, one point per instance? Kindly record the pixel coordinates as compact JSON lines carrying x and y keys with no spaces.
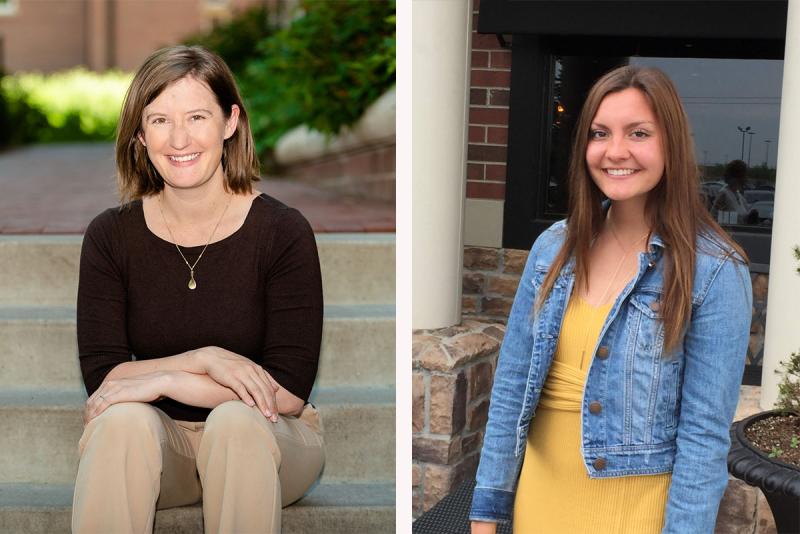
{"x":244,"y":376}
{"x":483,"y":527}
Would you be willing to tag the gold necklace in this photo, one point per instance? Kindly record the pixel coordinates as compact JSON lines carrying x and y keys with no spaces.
{"x":625,"y":251}
{"x":192,"y":282}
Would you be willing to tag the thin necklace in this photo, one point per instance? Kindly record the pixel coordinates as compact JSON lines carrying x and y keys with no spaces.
{"x":192,"y":282}
{"x":613,"y":278}
{"x":625,"y":251}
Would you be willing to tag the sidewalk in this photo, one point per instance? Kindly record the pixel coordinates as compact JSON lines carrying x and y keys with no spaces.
{"x":59,"y":189}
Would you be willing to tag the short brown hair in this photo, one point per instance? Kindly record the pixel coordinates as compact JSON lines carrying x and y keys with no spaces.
{"x":137,"y":177}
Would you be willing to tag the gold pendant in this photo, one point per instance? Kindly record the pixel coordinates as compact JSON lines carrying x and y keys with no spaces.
{"x":192,"y":283}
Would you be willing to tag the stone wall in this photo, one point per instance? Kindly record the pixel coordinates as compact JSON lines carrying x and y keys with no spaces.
{"x":451,"y":383}
{"x":491,"y":277}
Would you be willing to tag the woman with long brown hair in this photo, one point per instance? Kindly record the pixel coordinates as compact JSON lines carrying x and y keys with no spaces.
{"x":627,"y":338}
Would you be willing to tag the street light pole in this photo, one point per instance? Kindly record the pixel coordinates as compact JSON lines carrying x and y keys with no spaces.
{"x":743,"y":130}
{"x":750,"y":147}
{"x":766,"y":156}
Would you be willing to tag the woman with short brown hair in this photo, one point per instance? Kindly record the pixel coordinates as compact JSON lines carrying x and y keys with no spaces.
{"x":199,"y":319}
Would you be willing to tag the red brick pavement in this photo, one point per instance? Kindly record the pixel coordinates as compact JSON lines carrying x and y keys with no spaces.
{"x":58,"y":189}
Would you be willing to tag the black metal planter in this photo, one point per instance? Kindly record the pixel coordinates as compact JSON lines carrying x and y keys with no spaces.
{"x":779,"y":481}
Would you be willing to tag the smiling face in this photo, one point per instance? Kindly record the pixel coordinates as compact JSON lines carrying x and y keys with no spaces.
{"x":184,"y":130}
{"x":624,"y":153}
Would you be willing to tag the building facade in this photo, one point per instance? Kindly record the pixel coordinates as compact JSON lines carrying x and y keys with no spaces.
{"x":525,"y":72}
{"x":49,"y":35}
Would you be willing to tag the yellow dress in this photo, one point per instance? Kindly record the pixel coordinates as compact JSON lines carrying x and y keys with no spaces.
{"x":555,"y":494}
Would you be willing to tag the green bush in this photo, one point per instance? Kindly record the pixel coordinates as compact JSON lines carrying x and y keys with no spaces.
{"x":20,"y":121}
{"x":236,"y":40}
{"x":323,"y":70}
{"x":73,"y":105}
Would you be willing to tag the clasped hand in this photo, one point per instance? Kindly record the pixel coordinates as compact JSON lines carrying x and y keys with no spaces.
{"x":248,"y":380}
{"x":141,"y":388}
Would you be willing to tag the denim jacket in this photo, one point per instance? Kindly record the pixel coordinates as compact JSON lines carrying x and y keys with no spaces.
{"x":659,"y":413}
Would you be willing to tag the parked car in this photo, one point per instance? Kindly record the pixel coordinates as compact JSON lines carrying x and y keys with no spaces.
{"x":764,"y":209}
{"x":758,"y":195}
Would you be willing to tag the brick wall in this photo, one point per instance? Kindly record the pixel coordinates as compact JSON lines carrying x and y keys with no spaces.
{"x":49,"y":35}
{"x":451,"y":383}
{"x":138,"y":32}
{"x":43,"y":35}
{"x":365,"y":172}
{"x":490,"y":80}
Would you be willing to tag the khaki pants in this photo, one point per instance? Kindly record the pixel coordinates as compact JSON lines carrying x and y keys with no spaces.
{"x":135,"y":459}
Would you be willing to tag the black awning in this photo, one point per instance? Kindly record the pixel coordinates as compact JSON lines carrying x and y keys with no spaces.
{"x":722,"y":19}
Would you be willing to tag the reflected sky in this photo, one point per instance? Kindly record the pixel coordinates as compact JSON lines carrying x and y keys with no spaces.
{"x":721,"y":94}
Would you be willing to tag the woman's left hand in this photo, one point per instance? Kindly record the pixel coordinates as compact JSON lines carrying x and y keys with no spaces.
{"x":143,"y":388}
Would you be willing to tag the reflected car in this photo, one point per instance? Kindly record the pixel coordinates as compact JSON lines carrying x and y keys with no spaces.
{"x":764,"y":209}
{"x":758,"y":195}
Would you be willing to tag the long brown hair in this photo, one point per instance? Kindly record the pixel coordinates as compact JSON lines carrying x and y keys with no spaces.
{"x":674,"y":208}
{"x":137,"y":177}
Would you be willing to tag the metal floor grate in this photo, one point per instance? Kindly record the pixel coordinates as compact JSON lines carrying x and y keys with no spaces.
{"x":451,"y":514}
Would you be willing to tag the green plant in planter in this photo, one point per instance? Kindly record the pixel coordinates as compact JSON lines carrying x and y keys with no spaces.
{"x":789,"y":386}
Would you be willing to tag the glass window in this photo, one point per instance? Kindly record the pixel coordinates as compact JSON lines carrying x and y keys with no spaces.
{"x":733,"y":107}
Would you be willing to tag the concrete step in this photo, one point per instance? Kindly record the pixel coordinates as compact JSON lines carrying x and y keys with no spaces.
{"x":332,"y":508}
{"x":359,"y":427}
{"x":358,"y":346}
{"x":42,"y":270}
{"x":41,"y":429}
{"x":40,"y":347}
{"x":357,"y":268}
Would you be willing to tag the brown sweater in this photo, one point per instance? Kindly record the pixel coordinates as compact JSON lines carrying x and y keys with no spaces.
{"x":259,"y":294}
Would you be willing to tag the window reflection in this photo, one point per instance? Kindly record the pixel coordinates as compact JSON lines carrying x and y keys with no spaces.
{"x":733,"y":107}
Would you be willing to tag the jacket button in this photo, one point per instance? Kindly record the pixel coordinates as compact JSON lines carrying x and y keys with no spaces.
{"x":655,"y":306}
{"x":599,"y":464}
{"x":602,"y":353}
{"x":595,"y":407}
